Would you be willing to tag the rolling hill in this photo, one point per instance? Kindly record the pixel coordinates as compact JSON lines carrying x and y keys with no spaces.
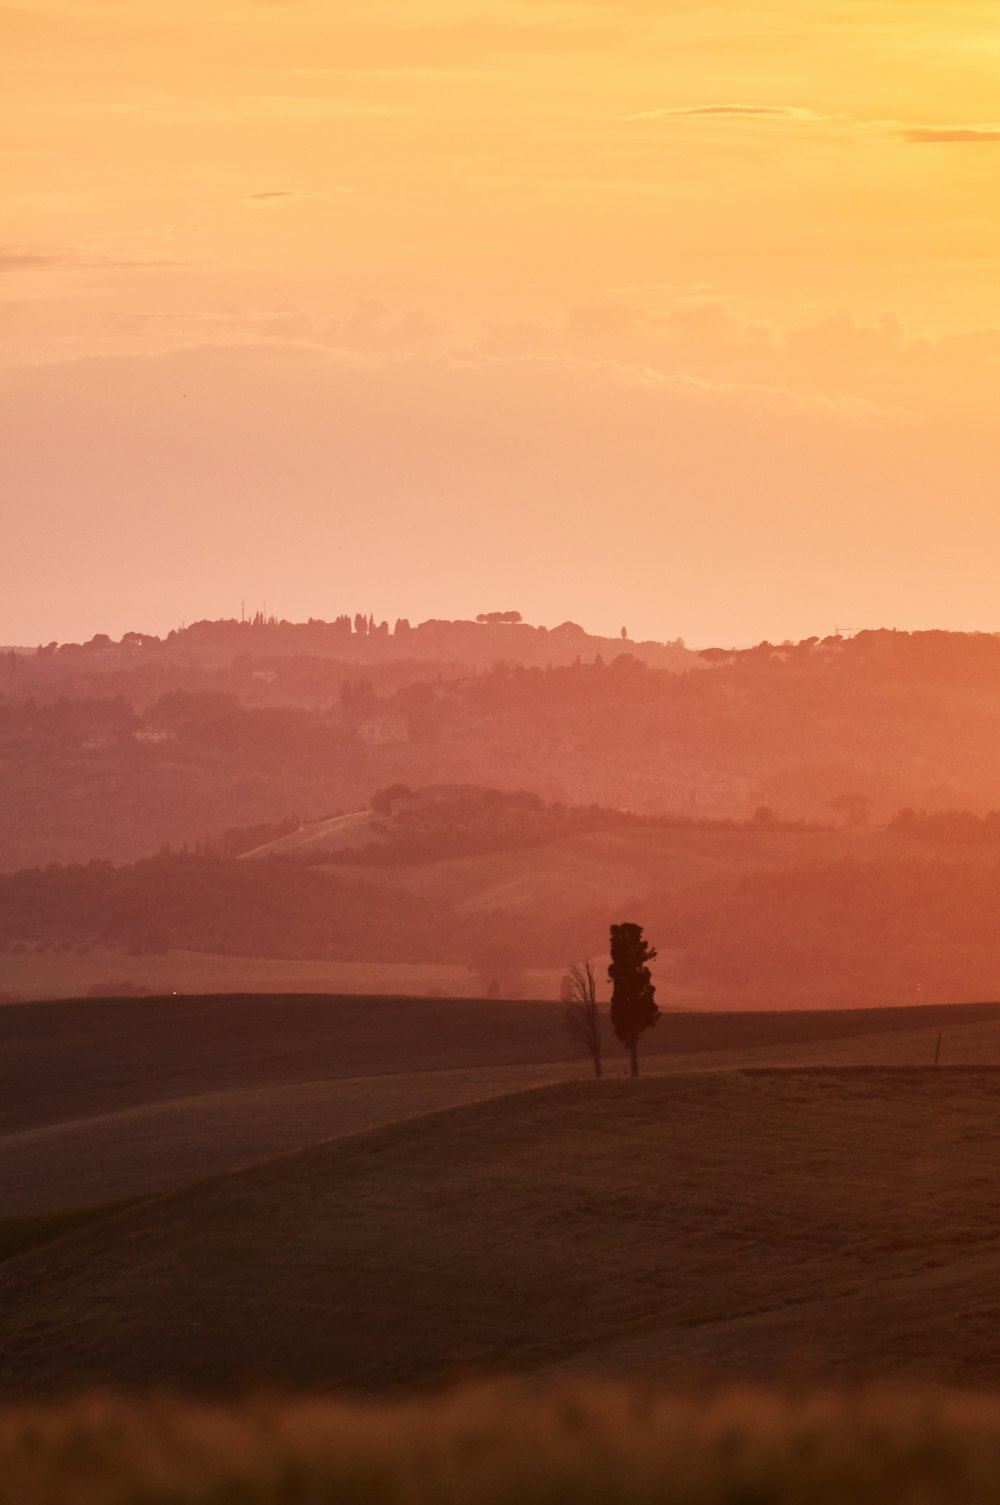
{"x":111,"y":750}
{"x":118,"y":1098}
{"x":81,"y":1058}
{"x":576,"y":872}
{"x":830,"y":1224}
{"x":103,"y":970}
{"x":748,"y":916}
{"x":359,"y":830}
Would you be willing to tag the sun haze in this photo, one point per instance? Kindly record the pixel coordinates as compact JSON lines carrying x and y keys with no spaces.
{"x":432,"y":307}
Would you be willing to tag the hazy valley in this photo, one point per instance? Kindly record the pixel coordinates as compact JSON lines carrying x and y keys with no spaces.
{"x":263,"y":805}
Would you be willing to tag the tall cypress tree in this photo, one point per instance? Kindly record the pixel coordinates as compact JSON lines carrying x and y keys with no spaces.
{"x":633,"y":1002}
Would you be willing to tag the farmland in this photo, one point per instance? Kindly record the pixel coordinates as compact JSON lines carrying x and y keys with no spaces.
{"x":783,"y":1193}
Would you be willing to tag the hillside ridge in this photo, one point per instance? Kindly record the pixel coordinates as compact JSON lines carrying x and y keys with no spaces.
{"x":743,"y":1194}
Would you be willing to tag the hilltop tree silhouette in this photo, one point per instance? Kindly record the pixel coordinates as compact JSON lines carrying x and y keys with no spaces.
{"x":633,"y":1003}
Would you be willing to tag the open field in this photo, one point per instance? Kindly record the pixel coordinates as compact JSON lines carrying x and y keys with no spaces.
{"x":357,"y":831}
{"x":24,"y":1231}
{"x":829,"y":1225}
{"x":163,"y":1145}
{"x":64,"y":974}
{"x":571,"y":1445}
{"x":74,"y":1059}
{"x":573,"y":872}
{"x":576,"y":871}
{"x":107,"y":1099}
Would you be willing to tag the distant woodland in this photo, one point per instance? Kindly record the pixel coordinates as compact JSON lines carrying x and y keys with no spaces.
{"x":140,"y":774}
{"x":762,"y":913}
{"x":111,"y":749}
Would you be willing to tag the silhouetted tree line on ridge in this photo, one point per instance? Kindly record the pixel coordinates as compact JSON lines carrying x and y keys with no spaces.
{"x":202,"y":723}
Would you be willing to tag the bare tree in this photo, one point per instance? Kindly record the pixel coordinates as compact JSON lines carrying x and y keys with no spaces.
{"x":583,"y":1019}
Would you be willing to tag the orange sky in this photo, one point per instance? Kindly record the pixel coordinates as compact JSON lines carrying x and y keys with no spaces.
{"x":431,"y":308}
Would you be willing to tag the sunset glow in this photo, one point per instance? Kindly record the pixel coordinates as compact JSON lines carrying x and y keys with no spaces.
{"x":499,"y":751}
{"x":444,"y":307}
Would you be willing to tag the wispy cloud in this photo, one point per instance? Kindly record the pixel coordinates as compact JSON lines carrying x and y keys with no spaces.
{"x":269,"y":194}
{"x":944,"y":136}
{"x":21,"y":259}
{"x":913,"y":135}
{"x":766,"y":112}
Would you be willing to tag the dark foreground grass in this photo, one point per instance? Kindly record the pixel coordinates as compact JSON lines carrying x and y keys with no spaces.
{"x":500,"y":1446}
{"x":74,"y":1059}
{"x":831,"y":1226}
{"x":27,"y":1231}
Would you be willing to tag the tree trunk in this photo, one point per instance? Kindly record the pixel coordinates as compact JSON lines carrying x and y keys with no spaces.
{"x":634,"y":1056}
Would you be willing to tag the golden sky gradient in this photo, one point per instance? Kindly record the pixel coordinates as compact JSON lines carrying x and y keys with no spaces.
{"x":412,"y":306}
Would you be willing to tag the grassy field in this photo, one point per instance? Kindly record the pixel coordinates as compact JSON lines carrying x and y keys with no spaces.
{"x":64,"y":974}
{"x":76,"y":1058}
{"x":26,"y":1231}
{"x":162,"y":1145}
{"x":825,"y":1225}
{"x":579,"y":1445}
{"x":103,"y":1100}
{"x":574,"y":872}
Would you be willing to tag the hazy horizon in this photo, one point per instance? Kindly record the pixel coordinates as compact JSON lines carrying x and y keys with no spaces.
{"x":490,"y":303}
{"x":247,"y":609}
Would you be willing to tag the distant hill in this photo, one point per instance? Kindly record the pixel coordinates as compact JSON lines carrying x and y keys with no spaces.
{"x":519,"y":808}
{"x":359,"y":642}
{"x":361,"y":830}
{"x":829,"y":1225}
{"x":441,"y":821}
{"x":480,"y":891}
{"x":110,"y":750}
